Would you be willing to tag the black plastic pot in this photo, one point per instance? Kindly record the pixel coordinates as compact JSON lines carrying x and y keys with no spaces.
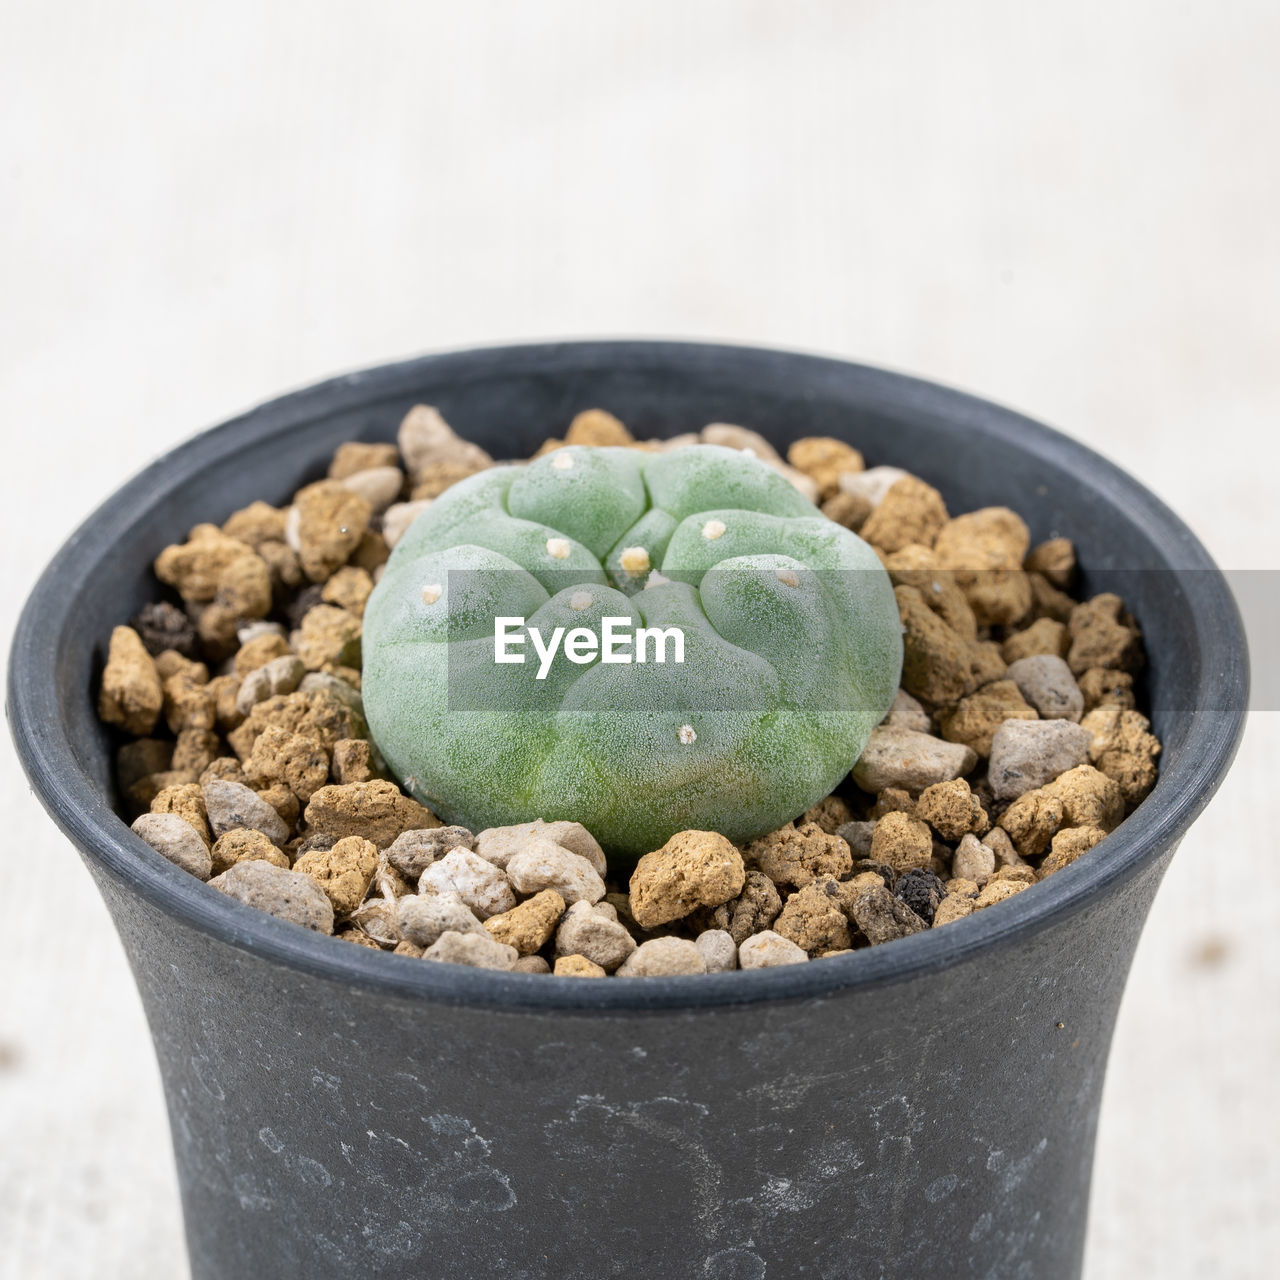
{"x":924,"y":1108}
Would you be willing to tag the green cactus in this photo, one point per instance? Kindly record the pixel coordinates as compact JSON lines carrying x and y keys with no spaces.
{"x":792,"y":647}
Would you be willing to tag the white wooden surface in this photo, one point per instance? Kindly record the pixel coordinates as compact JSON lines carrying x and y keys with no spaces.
{"x":1072,"y":209}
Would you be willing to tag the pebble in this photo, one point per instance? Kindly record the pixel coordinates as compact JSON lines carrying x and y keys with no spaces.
{"x":896,"y":757}
{"x":529,"y":926}
{"x":232,"y":804}
{"x":290,"y":759}
{"x":426,"y":439}
{"x":922,"y":891}
{"x":1102,"y":636}
{"x":813,"y":920}
{"x":378,"y":486}
{"x":952,"y":809}
{"x":422,"y":919}
{"x":662,"y":958}
{"x":576,"y":966}
{"x":768,"y":950}
{"x":176,"y":839}
{"x":397,"y":519}
{"x":543,"y":864}
{"x":881,"y":916}
{"x":908,"y":713}
{"x":243,"y":845}
{"x":858,"y":836}
{"x":911,"y":512}
{"x":871,"y":484}
{"x":825,"y":459}
{"x":412,"y":852}
{"x":1026,"y":754}
{"x":531,"y":964}
{"x":377,"y":810}
{"x":500,"y":844}
{"x":693,"y":869}
{"x":280,"y":675}
{"x":793,"y":857}
{"x":186,"y":800}
{"x":1046,"y":682}
{"x":755,"y":908}
{"x":975,"y":719}
{"x":478,"y":950}
{"x":131,"y":695}
{"x":287,"y":894}
{"x":344,"y":872}
{"x":1122,"y":746}
{"x":354,"y":456}
{"x":719,"y":951}
{"x":902,"y":842}
{"x":325,"y":525}
{"x":587,"y":932}
{"x":1044,"y":636}
{"x":481,"y":885}
{"x":973,"y":860}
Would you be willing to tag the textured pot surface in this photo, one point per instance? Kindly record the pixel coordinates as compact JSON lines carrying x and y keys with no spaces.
{"x":909,"y":1110}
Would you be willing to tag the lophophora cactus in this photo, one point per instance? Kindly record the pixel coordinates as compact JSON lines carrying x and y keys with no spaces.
{"x":792,"y":647}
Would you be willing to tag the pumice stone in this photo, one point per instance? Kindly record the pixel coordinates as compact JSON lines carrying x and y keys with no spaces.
{"x":644,"y":643}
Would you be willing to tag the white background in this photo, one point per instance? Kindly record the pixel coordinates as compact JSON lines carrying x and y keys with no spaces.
{"x":1072,"y":209}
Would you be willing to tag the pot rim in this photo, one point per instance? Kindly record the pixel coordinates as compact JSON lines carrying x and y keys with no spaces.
{"x":72,"y":799}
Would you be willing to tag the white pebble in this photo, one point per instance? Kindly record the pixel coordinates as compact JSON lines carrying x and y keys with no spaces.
{"x":542,"y":864}
{"x":719,"y":951}
{"x":280,"y":675}
{"x":378,"y":486}
{"x":231,"y":806}
{"x":895,"y":757}
{"x":422,"y":918}
{"x":584,"y":931}
{"x":768,"y":950}
{"x":871,"y":484}
{"x":663,"y":958}
{"x":500,"y":844}
{"x":1046,"y":682}
{"x":478,"y":950}
{"x":908,"y":713}
{"x":481,"y":885}
{"x":973,"y":860}
{"x":397,"y":519}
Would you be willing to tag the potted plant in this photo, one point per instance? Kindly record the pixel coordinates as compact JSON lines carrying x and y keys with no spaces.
{"x":926,"y":1107}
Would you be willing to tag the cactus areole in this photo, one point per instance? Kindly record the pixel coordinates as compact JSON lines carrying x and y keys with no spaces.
{"x":589,"y":563}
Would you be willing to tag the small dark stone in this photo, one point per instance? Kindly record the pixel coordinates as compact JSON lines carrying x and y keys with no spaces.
{"x":162,"y":626}
{"x":921,"y":891}
{"x":303,"y":603}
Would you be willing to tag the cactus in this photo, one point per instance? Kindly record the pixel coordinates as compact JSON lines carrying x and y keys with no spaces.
{"x":792,"y":643}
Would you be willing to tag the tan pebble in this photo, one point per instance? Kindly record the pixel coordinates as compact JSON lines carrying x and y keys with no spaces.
{"x":1047,"y":601}
{"x":1056,"y":559}
{"x":1032,"y":820}
{"x":662,"y":958}
{"x":829,"y":814}
{"x":287,"y":894}
{"x":131,"y":694}
{"x":973,"y":860}
{"x":259,"y":651}
{"x":173,"y":837}
{"x":729,"y":436}
{"x":965,"y":888}
{"x":952,"y":809}
{"x":997,"y":891}
{"x":189,"y":700}
{"x":1044,"y":636}
{"x":255,"y":524}
{"x":531,"y":964}
{"x":825,"y":460}
{"x":224,"y":576}
{"x":597,"y":427}
{"x":871,"y":484}
{"x":812,"y":920}
{"x":1024,"y":873}
{"x":187,"y":801}
{"x":358,"y":936}
{"x":528,"y":927}
{"x":325,"y":525}
{"x":226,"y":768}
{"x":997,"y":839}
{"x":343,"y":872}
{"x":769,"y":950}
{"x":349,"y":589}
{"x":353,"y":760}
{"x":1089,"y":798}
{"x":985,"y":550}
{"x":376,"y":810}
{"x":407,"y":948}
{"x":1068,"y":845}
{"x":243,"y":845}
{"x":793,"y":857}
{"x":296,"y":762}
{"x":955,"y":906}
{"x":475,"y":949}
{"x":693,"y":869}
{"x":1101,"y":687}
{"x":847,"y":509}
{"x":892,"y":800}
{"x":195,"y":750}
{"x":575,"y":966}
{"x":542,"y":864}
{"x":901,"y":842}
{"x":586,"y":932}
{"x":1121,"y":746}
{"x":975,"y":719}
{"x":481,"y":885}
{"x":328,"y":635}
{"x":1102,"y":635}
{"x":283,"y":801}
{"x":423,"y":918}
{"x":937,"y":662}
{"x":916,"y":566}
{"x":911,"y":511}
{"x":353,"y":456}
